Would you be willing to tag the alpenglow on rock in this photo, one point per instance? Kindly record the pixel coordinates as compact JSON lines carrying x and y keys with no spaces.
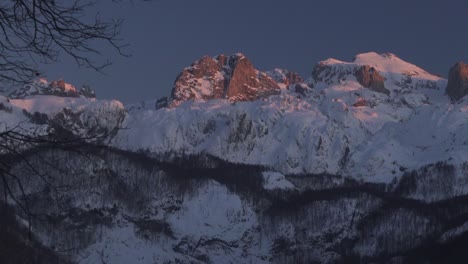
{"x":370,"y":78}
{"x":224,"y":77}
{"x":377,"y":72}
{"x":457,"y":86}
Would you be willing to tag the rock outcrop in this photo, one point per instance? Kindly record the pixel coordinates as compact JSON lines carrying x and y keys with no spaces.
{"x":224,"y":77}
{"x":457,"y":86}
{"x":370,"y":78}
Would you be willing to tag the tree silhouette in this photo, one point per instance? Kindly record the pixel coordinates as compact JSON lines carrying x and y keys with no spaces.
{"x":35,"y":32}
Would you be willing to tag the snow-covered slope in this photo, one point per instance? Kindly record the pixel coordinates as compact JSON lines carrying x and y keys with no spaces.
{"x":43,"y":113}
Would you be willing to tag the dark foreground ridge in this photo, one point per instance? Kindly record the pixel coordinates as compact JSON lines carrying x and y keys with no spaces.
{"x":335,"y":219}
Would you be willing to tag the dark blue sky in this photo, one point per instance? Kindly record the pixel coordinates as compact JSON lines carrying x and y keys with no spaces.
{"x":168,"y":35}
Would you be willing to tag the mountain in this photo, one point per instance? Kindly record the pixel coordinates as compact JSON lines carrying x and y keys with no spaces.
{"x":339,"y":121}
{"x":233,"y":78}
{"x":59,"y":109}
{"x":363,"y":161}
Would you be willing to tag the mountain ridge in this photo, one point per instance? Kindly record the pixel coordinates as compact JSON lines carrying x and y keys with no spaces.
{"x":230,"y":77}
{"x":322,"y":124}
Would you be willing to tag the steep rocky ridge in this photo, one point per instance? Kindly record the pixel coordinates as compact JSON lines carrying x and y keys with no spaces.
{"x":224,"y":77}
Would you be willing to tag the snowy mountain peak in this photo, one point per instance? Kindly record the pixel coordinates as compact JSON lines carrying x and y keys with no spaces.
{"x":385,"y":63}
{"x":222,"y":77}
{"x":390,"y":63}
{"x":59,"y":88}
{"x":385,"y":73}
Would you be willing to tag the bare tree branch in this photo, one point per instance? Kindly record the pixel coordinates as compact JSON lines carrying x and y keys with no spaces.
{"x":39,"y":31}
{"x":15,"y":141}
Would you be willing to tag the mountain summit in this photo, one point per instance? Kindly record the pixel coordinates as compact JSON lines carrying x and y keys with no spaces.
{"x":224,"y":77}
{"x":385,"y":73}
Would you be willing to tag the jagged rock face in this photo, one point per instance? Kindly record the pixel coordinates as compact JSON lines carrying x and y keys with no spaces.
{"x":370,"y":78}
{"x":56,"y":88}
{"x":457,"y":86}
{"x":246,"y":83}
{"x":233,"y":78}
{"x":202,"y":80}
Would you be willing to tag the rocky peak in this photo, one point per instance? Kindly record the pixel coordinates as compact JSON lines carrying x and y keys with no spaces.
{"x":57,"y":88}
{"x":457,"y":86}
{"x":246,"y":83}
{"x":223,"y":77}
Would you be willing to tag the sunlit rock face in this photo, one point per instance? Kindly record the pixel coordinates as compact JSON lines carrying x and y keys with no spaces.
{"x":224,"y":77}
{"x":370,"y":78}
{"x":457,"y":86}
